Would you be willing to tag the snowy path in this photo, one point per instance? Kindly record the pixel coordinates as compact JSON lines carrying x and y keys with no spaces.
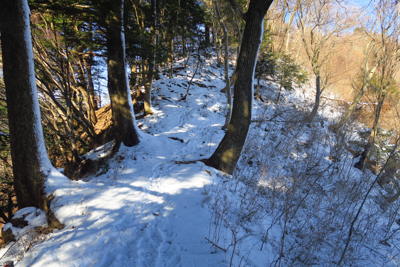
{"x":151,"y":214}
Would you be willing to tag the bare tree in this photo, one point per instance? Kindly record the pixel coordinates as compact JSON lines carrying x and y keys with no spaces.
{"x":373,"y":60}
{"x":389,"y":56}
{"x":361,"y":82}
{"x":320,"y":24}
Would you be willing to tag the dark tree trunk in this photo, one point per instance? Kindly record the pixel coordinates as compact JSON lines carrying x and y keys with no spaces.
{"x":30,"y":161}
{"x":228,"y":152}
{"x":184,"y":50}
{"x":207,"y":35}
{"x":85,"y":90}
{"x":121,"y":102}
{"x":171,"y":51}
{"x":314,"y":111}
{"x":88,"y":65}
{"x":92,"y":98}
{"x":151,"y":60}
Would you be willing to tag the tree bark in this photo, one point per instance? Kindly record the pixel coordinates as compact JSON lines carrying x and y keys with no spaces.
{"x":207,"y":34}
{"x":228,"y":152}
{"x":318,"y":93}
{"x":226,"y":64}
{"x":171,"y":55}
{"x":121,"y":102}
{"x":93,"y":105}
{"x":152,"y":62}
{"x":29,"y":156}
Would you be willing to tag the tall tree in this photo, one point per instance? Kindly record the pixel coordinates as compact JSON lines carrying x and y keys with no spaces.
{"x":121,"y":102}
{"x":377,"y":33}
{"x":31,"y":164}
{"x":228,"y":152}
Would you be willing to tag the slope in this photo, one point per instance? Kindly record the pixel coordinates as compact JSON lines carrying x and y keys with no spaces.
{"x":290,"y":201}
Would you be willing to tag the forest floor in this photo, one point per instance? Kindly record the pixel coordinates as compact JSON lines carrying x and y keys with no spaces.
{"x":149,"y":207}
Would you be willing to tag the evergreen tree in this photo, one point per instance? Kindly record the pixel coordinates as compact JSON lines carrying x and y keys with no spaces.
{"x":31,"y":164}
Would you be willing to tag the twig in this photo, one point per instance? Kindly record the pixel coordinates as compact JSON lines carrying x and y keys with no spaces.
{"x":84,"y":197}
{"x":57,"y":206}
{"x":350,"y":234}
{"x":253,"y":121}
{"x":215,"y":245}
{"x":16,"y":241}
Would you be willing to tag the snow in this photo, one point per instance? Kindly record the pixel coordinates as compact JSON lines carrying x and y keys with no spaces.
{"x":154,"y":204}
{"x":34,"y":217}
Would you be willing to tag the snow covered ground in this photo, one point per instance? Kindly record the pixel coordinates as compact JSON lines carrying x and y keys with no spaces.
{"x":149,"y":207}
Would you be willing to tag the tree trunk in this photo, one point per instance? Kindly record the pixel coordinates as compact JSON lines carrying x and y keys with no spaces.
{"x":228,"y":152}
{"x":171,"y":55}
{"x":219,"y":51}
{"x":314,"y":111}
{"x":85,"y":89}
{"x":133,"y":77}
{"x":291,"y":18}
{"x":226,"y":63}
{"x":121,"y":101}
{"x":147,"y":88}
{"x":214,"y":30}
{"x":184,"y":50}
{"x":279,"y":94}
{"x":152,"y":61}
{"x":68,"y":98}
{"x":92,"y":98}
{"x":207,"y":34}
{"x":31,"y":164}
{"x":371,"y":140}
